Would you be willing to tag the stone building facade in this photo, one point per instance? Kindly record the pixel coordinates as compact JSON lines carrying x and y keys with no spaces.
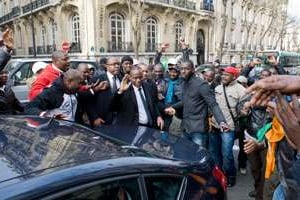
{"x":97,"y":28}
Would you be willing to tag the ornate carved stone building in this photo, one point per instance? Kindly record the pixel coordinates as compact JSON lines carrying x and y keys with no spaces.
{"x":102,"y":27}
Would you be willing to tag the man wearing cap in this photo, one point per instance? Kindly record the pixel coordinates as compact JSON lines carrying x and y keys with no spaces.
{"x":227,"y":95}
{"x":172,"y":91}
{"x":37,"y":69}
{"x":209,"y":75}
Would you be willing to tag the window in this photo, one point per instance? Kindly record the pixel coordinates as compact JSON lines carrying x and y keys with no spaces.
{"x":53,"y":28}
{"x":43,"y":37}
{"x":118,"y":189}
{"x":20,"y":37}
{"x":75,"y":29}
{"x":178,"y":34}
{"x":117,"y":32}
{"x":11,"y":4}
{"x":163,"y":187}
{"x":152,"y":34}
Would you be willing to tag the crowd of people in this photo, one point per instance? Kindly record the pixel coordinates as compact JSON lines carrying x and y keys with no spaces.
{"x":212,"y":106}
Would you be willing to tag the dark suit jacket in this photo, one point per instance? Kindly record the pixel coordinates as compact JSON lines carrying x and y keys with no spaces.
{"x":99,"y":105}
{"x":127,"y":108}
{"x":197,"y":97}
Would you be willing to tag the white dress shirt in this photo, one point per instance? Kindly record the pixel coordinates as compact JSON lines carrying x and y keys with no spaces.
{"x":67,"y":108}
{"x":110,"y":78}
{"x":143,"y":119}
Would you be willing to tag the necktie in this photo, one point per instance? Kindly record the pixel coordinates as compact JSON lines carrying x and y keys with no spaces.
{"x":145,"y":107}
{"x":114,"y":85}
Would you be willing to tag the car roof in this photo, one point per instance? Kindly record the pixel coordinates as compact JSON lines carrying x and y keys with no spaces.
{"x":31,"y":146}
{"x":34,"y":145}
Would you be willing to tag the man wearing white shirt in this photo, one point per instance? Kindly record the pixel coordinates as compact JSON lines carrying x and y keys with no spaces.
{"x":134,"y":103}
{"x":98,"y":107}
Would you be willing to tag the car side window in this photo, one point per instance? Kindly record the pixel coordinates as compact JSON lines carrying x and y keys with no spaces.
{"x":124,"y":189}
{"x":25,"y":72}
{"x":163,"y":187}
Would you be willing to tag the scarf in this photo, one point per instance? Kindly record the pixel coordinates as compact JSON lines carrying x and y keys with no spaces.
{"x":274,"y":135}
{"x":170,"y":92}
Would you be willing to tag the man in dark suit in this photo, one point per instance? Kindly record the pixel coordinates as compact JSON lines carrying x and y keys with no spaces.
{"x":134,"y":103}
{"x":98,"y":107}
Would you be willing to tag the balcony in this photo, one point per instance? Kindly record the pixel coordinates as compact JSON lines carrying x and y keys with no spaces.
{"x":177,"y":48}
{"x":178,"y":3}
{"x":120,"y":47}
{"x":30,"y":50}
{"x":41,"y":50}
{"x":75,"y":48}
{"x":34,"y":5}
{"x":151,"y":47}
{"x":50,"y":48}
{"x":15,"y":12}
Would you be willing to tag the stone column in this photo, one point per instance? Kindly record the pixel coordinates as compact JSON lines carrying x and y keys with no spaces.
{"x":88,"y":39}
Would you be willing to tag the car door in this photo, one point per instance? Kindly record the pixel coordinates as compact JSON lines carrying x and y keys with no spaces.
{"x":164,"y":186}
{"x":117,"y":188}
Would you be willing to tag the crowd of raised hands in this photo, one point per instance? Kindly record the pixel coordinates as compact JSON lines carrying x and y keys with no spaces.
{"x":272,"y":92}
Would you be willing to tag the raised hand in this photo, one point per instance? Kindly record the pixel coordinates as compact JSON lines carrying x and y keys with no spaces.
{"x":272,"y":60}
{"x":170,"y":111}
{"x":289,"y":117}
{"x":264,"y":89}
{"x":103,"y":85}
{"x":98,"y":122}
{"x":163,"y":47}
{"x":182,"y":43}
{"x":8,"y":39}
{"x":124,"y":84}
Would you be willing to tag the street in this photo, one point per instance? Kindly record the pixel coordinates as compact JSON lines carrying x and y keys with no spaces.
{"x":244,"y":184}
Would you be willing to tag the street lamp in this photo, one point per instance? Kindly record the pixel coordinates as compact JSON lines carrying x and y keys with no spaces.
{"x":32,"y":28}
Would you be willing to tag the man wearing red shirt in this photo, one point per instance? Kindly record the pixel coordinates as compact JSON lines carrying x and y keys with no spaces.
{"x":60,"y":64}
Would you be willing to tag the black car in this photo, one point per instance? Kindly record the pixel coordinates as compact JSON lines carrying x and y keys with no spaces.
{"x":43,"y":158}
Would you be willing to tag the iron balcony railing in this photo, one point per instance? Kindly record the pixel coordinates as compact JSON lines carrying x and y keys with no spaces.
{"x":75,"y":48}
{"x":34,"y":5}
{"x":15,"y":12}
{"x":151,"y":47}
{"x":120,"y":47}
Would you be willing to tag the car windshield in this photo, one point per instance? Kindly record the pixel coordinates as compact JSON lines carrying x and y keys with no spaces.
{"x":10,"y":66}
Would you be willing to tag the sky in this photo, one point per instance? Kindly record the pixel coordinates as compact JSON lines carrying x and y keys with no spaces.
{"x":294,"y":7}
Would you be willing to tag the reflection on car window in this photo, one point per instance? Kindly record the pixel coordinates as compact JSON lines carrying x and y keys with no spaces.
{"x":163,"y":187}
{"x":23,"y":74}
{"x":196,"y":190}
{"x":126,"y":189}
